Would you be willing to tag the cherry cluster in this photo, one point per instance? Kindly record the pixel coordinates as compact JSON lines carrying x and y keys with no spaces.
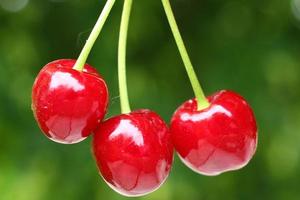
{"x":134,"y":150}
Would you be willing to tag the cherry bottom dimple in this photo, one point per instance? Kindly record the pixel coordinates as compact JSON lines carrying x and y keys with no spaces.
{"x":211,"y":166}
{"x":132,"y":183}
{"x":66,"y":140}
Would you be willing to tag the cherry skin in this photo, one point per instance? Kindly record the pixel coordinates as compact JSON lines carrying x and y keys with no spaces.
{"x":134,"y":152}
{"x":220,"y":138}
{"x":68,"y":104}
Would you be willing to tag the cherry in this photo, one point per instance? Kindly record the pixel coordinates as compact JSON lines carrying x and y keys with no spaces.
{"x":69,"y":98}
{"x":215,"y":134}
{"x":68,"y":104}
{"x":133,"y":152}
{"x":220,"y":138}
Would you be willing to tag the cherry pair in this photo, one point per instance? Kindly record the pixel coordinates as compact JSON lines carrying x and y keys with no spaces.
{"x":134,"y":150}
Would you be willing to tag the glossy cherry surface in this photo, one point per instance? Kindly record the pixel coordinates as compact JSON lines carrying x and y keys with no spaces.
{"x":67,"y":104}
{"x":133,"y":152}
{"x":220,"y":138}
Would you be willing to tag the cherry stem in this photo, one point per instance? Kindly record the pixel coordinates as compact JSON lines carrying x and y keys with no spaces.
{"x":79,"y":65}
{"x":125,"y":107}
{"x":202,"y":102}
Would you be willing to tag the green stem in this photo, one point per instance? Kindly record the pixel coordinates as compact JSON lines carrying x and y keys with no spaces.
{"x":79,"y":65}
{"x":200,"y":97}
{"x":125,"y":107}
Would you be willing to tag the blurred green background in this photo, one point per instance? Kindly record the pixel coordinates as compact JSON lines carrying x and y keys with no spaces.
{"x":251,"y":47}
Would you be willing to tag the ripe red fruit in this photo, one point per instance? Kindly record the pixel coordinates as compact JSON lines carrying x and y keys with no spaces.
{"x":220,"y":138}
{"x":133,"y":152}
{"x":68,"y":104}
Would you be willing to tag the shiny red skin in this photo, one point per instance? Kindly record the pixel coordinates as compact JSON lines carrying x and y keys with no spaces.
{"x":67,"y":104}
{"x":220,"y":138}
{"x":134,"y":152}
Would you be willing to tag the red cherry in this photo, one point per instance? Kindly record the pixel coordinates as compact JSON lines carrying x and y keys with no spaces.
{"x":220,"y":138}
{"x":133,"y":152}
{"x":68,"y":104}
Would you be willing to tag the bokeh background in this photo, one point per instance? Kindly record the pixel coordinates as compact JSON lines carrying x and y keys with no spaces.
{"x":252,"y":47}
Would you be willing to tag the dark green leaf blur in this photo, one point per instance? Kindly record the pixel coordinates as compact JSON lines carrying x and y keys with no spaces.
{"x":251,"y":47}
